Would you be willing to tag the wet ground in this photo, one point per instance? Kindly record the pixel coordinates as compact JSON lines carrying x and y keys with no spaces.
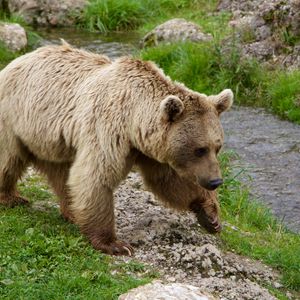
{"x":269,"y":150}
{"x":112,"y":44}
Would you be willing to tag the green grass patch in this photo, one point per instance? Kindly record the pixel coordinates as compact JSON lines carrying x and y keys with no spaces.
{"x":6,"y":55}
{"x":204,"y":67}
{"x":44,"y":257}
{"x":254,"y":232}
{"x":112,"y":15}
{"x":284,"y":94}
{"x":118,"y":15}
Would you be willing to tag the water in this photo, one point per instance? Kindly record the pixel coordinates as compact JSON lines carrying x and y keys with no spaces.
{"x":112,"y":44}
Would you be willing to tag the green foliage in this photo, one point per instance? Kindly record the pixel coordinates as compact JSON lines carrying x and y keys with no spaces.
{"x":284,"y":94}
{"x":112,"y":15}
{"x":5,"y":55}
{"x":44,"y":257}
{"x":108,"y":15}
{"x":253,"y":231}
{"x":204,"y":67}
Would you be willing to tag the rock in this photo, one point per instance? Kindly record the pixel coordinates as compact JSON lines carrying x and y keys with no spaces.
{"x":239,"y":7}
{"x":174,"y":291}
{"x":47,"y":12}
{"x":13,"y":36}
{"x":266,"y":30}
{"x":232,"y":289}
{"x":262,"y":51}
{"x":292,"y":60}
{"x":173,"y":31}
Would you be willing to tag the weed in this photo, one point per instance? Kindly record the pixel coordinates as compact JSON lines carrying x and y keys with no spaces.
{"x":6,"y":55}
{"x":108,"y":15}
{"x":283,"y":94}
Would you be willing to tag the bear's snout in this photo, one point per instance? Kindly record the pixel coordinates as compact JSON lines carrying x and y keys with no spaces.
{"x":210,"y":184}
{"x":213,"y":184}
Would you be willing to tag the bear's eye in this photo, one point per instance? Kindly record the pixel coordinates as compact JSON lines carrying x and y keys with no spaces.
{"x":199,"y":152}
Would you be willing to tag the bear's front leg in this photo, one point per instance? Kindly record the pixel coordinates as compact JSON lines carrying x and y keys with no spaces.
{"x":180,"y":193}
{"x":92,"y":208}
{"x":98,"y":224}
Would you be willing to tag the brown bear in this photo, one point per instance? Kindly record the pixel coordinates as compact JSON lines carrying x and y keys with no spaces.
{"x":84,"y":121}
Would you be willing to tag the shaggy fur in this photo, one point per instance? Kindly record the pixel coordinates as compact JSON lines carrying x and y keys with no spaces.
{"x":84,"y":121}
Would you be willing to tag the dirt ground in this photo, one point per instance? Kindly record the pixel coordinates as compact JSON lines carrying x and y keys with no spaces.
{"x":176,"y":245}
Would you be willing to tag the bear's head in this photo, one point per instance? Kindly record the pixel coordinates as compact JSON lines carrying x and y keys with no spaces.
{"x":195,"y":135}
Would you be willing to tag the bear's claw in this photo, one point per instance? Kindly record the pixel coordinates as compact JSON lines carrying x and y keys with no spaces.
{"x":117,"y":248}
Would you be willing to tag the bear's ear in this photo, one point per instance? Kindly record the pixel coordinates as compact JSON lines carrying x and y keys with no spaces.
{"x":222,"y":101}
{"x":171,"y":108}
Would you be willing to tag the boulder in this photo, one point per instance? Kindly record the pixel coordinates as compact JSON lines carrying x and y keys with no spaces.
{"x":266,"y":30}
{"x":13,"y":36}
{"x":175,"y":30}
{"x":174,"y":291}
{"x":47,"y":12}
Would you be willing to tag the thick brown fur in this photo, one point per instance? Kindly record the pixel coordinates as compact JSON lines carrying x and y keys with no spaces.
{"x":84,"y":120}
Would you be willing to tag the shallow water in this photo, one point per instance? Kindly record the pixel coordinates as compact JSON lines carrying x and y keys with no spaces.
{"x":112,"y":44}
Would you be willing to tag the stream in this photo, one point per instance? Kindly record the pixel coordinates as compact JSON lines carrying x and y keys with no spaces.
{"x":269,"y":148}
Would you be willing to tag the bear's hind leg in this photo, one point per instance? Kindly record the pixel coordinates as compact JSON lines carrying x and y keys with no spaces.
{"x":57,"y":175}
{"x":11,"y":169}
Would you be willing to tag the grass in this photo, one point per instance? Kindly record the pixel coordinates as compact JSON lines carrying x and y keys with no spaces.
{"x":109,"y":15}
{"x":284,"y":95}
{"x":255,"y":232}
{"x":117,"y":15}
{"x":44,"y":257}
{"x":5,"y":55}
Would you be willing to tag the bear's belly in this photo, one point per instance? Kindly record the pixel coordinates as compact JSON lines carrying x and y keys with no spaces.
{"x":46,"y":150}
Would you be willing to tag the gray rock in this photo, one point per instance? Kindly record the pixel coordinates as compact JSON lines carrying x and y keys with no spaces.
{"x":47,"y":12}
{"x":266,"y":30}
{"x":262,"y":51}
{"x":174,"y":291}
{"x":173,"y":31}
{"x":13,"y":36}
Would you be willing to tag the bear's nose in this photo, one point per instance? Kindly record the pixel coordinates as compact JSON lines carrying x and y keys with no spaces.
{"x":213,"y":184}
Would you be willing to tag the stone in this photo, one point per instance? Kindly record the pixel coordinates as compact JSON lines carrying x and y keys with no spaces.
{"x":266,"y":30}
{"x":175,"y":30}
{"x":13,"y":36}
{"x":262,"y":51}
{"x":172,"y":291}
{"x":47,"y":12}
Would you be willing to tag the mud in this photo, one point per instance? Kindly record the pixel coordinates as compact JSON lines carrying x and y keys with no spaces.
{"x":269,"y":151}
